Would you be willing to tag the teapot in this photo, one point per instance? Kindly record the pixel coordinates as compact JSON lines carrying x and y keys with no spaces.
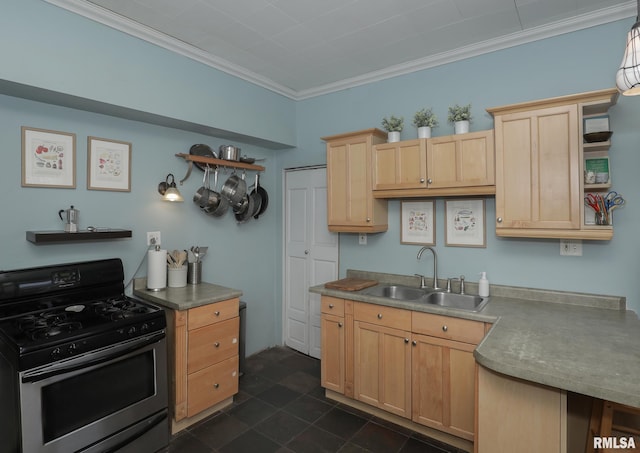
{"x":71,"y":215}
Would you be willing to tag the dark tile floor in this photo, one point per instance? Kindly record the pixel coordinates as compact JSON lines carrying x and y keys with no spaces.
{"x":281,"y":408}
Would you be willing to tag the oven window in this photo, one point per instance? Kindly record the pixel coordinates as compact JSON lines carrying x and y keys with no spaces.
{"x":79,"y":400}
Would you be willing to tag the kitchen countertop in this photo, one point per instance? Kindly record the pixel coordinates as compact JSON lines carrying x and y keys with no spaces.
{"x":184,"y":298}
{"x":583,"y":343}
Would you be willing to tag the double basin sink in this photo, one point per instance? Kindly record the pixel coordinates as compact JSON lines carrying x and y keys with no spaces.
{"x":466,"y":302}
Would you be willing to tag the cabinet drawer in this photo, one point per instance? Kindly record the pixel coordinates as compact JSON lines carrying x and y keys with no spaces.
{"x":447,"y":327}
{"x":395,"y":318}
{"x":332,"y":306}
{"x":211,"y":385}
{"x":213,"y":343}
{"x":211,"y":313}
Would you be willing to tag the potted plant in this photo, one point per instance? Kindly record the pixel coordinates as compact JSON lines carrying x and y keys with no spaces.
{"x":424,"y":120}
{"x":393,"y":126}
{"x":460,"y":116}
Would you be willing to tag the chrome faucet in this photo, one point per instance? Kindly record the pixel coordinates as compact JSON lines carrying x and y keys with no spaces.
{"x":435,"y":265}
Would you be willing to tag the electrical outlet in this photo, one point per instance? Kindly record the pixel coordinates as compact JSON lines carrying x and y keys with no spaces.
{"x":153,"y":238}
{"x":570,"y":247}
{"x":362,"y":239}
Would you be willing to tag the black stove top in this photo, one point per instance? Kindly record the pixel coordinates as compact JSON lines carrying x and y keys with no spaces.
{"x":55,"y":312}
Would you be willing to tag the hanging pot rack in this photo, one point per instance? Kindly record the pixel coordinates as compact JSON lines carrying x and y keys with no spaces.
{"x":215,"y":163}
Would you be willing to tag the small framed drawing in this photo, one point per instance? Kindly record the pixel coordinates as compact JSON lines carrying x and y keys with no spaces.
{"x":108,"y":165}
{"x":417,"y":223}
{"x":48,"y":158}
{"x":465,"y":223}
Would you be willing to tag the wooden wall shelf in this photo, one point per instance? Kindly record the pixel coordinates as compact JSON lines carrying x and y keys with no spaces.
{"x":220,"y":162}
{"x":51,"y":237}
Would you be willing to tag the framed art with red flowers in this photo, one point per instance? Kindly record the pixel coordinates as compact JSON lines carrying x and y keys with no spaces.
{"x":108,"y":165}
{"x":48,"y":158}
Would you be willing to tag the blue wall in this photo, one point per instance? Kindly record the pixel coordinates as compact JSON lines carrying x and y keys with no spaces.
{"x":72,"y":63}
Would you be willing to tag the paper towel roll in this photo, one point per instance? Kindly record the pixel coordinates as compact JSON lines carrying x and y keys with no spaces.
{"x":156,"y":269}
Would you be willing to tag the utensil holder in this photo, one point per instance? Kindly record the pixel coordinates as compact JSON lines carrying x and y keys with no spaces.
{"x":194,"y":272}
{"x":177,"y":277}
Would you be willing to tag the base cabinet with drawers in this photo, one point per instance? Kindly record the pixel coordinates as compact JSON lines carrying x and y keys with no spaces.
{"x":415,"y":365}
{"x":203,"y":359}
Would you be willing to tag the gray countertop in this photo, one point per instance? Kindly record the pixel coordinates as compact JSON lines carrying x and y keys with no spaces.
{"x":184,"y":298}
{"x":583,"y":343}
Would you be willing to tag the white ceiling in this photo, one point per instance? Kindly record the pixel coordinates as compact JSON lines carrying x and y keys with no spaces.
{"x":302,"y":48}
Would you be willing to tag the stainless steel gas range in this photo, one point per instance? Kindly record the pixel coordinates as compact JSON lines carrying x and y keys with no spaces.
{"x":82,"y":365}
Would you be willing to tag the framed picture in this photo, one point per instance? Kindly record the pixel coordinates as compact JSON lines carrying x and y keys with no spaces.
{"x":465,"y":223}
{"x":417,"y":223}
{"x":108,"y":165}
{"x":48,"y":158}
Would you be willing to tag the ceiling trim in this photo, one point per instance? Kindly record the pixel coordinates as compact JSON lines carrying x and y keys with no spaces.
{"x":123,"y":24}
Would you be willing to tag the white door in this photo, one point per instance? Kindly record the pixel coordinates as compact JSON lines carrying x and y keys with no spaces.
{"x":311,"y":256}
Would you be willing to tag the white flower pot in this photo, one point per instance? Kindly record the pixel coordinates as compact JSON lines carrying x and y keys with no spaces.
{"x":393,"y":137}
{"x":461,"y":127}
{"x":424,"y":132}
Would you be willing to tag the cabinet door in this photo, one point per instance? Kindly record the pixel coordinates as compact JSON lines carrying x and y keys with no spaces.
{"x":461,"y":160}
{"x":401,"y":165}
{"x":538,"y":169}
{"x":382,"y":370}
{"x":350,"y":203}
{"x":332,"y":360}
{"x":443,"y":385}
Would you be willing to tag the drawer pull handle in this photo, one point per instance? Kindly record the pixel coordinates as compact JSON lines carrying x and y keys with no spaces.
{"x":406,"y":340}
{"x":339,"y":324}
{"x":421,"y":180}
{"x":445,"y":328}
{"x":330,"y":305}
{"x":414,"y":342}
{"x":217,"y":344}
{"x":215,"y":386}
{"x":430,"y":181}
{"x":217,"y":313}
{"x":379,"y":315}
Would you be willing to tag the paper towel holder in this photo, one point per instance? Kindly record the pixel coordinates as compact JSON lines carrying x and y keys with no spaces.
{"x":168,"y":190}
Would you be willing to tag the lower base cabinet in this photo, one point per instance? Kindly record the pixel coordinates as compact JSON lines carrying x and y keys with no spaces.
{"x":203,"y":359}
{"x":517,"y":415}
{"x":415,"y":365}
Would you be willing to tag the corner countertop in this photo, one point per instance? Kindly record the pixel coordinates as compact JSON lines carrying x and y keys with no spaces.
{"x":583,"y":343}
{"x":184,"y":298}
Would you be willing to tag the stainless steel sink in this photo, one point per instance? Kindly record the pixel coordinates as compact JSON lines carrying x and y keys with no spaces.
{"x":461,"y":301}
{"x":466,"y":302}
{"x":395,"y":292}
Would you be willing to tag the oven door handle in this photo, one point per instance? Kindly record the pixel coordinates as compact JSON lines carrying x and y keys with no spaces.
{"x":102,"y":357}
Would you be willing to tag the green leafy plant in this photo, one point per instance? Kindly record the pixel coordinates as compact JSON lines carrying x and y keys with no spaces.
{"x":393,"y":124}
{"x":425,"y":118}
{"x":459,"y":113}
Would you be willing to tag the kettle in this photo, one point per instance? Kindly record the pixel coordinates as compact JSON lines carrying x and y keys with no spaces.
{"x":71,"y":215}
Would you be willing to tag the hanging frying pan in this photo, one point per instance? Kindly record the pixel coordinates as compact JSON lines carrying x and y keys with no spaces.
{"x":203,"y":151}
{"x":264,"y":197}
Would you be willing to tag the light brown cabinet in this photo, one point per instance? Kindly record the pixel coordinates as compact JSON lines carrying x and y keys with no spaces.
{"x":444,"y":372}
{"x":461,"y":164}
{"x":350,"y":204}
{"x":382,"y":357}
{"x":203,"y":359}
{"x":415,"y":365}
{"x":539,"y":167}
{"x":516,"y":415}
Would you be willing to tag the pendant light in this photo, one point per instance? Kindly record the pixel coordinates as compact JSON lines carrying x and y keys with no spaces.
{"x":169,"y":191}
{"x":628,"y":76}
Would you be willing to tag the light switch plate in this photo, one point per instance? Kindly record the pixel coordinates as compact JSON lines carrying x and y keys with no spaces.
{"x":570,"y":247}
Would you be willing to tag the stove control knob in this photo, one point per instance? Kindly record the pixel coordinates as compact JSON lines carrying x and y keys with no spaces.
{"x":132,"y":330}
{"x":72,"y":349}
{"x":56,"y":353}
{"x":144,"y":327}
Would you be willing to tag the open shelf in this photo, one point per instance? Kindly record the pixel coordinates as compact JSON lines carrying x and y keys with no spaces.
{"x":220,"y":162}
{"x":50,"y":237}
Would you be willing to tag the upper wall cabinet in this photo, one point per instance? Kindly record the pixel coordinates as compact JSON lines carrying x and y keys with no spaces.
{"x":539,"y":167}
{"x":351,"y":207}
{"x":451,"y":165}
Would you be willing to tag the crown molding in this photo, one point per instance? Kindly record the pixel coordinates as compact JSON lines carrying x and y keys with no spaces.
{"x":125,"y":25}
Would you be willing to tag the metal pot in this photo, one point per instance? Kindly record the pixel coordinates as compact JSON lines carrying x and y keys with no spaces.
{"x":264,"y":198}
{"x":201,"y":197}
{"x":256,"y":199}
{"x":218,"y":205}
{"x":234,"y":189}
{"x":229,"y":152}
